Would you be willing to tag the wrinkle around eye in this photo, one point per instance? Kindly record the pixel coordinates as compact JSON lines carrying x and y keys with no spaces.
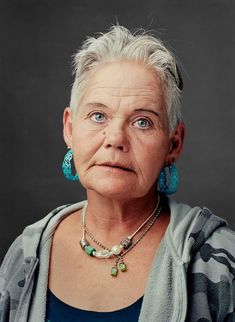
{"x":150,"y":125}
{"x":94,"y":114}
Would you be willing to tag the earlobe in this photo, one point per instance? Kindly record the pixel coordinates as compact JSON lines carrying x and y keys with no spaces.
{"x":67,"y":129}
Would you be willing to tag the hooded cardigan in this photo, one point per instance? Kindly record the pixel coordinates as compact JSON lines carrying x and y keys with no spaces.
{"x":191,"y":278}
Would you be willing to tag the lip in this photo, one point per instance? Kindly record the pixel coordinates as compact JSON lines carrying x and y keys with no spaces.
{"x":117,"y":165}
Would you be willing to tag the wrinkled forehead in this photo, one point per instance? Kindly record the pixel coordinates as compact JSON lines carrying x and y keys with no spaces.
{"x":124,"y":80}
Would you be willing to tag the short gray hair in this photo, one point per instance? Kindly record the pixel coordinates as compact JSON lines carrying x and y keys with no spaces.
{"x":119,"y":44}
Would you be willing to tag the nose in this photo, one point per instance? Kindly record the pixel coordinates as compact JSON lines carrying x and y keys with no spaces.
{"x":116,"y":137}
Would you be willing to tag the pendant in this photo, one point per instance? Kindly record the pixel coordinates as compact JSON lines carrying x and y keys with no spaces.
{"x":118,"y":264}
{"x":122,"y":267}
{"x":114,"y":271}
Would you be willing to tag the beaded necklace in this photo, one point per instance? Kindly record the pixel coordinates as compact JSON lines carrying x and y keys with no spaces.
{"x":124,"y":246}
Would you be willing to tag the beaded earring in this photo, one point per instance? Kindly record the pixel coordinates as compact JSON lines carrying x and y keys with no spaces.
{"x":171,"y":186}
{"x":67,"y":167}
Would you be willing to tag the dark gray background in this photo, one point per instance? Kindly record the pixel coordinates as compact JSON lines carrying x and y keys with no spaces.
{"x":37,"y":39}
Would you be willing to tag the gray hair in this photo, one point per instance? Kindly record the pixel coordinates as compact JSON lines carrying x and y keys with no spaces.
{"x":121,"y":44}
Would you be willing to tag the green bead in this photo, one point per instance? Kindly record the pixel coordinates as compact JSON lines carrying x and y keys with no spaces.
{"x":89,"y":250}
{"x":122,"y":267}
{"x":114,"y":271}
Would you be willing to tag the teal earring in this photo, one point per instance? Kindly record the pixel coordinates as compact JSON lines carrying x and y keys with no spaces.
{"x":67,"y":167}
{"x":171,"y":186}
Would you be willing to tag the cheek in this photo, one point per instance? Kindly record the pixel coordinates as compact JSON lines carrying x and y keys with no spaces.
{"x":152,"y":156}
{"x":85,"y":145}
{"x":81,"y":137}
{"x":154,"y":148}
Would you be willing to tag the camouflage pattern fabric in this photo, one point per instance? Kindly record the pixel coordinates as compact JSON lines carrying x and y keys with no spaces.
{"x":192,"y":277}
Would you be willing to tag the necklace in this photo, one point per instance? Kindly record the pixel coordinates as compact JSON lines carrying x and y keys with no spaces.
{"x":124,"y":246}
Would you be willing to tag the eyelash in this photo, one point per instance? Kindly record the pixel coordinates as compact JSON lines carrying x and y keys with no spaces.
{"x":139,"y":119}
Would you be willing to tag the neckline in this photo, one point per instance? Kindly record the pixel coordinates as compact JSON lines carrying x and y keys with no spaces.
{"x":78,"y":206}
{"x":55,"y":300}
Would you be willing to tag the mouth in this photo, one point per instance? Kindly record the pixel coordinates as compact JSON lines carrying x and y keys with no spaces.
{"x":115,"y":165}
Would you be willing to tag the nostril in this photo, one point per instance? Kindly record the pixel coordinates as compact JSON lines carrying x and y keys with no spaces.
{"x":120,"y":147}
{"x":116,"y":140}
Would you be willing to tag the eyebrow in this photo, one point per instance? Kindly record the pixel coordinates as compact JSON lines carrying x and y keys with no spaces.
{"x":135,"y":110}
{"x":147,"y":110}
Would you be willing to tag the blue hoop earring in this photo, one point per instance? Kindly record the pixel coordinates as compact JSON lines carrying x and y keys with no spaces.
{"x":67,"y":167}
{"x":173,"y":180}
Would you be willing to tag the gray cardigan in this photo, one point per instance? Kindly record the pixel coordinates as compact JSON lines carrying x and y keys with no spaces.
{"x":191,"y":279}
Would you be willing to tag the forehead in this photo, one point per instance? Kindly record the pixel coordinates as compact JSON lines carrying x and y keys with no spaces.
{"x":128,"y":81}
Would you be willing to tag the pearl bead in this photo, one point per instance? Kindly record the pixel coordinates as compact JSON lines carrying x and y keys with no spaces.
{"x":116,"y":249}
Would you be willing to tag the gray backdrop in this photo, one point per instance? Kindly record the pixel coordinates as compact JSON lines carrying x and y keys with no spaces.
{"x":37,"y":39}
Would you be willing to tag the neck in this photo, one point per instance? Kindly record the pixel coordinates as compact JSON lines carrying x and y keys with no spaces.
{"x":114,"y":218}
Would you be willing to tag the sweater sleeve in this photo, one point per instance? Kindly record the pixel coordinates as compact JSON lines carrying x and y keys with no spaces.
{"x":211,"y":279}
{"x":11,"y":280}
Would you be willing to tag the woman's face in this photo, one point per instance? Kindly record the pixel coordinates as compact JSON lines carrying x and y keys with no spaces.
{"x":119,"y":135}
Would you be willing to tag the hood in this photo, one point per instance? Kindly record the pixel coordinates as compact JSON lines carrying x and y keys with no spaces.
{"x":187,"y":231}
{"x":35,"y":235}
{"x":189,"y":228}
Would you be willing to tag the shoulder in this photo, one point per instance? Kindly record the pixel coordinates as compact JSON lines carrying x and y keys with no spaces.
{"x":17,"y":246}
{"x":216,"y":257}
{"x":213,"y":253}
{"x":13,"y":257}
{"x":223,"y":236}
{"x":218,"y":248}
{"x":24,"y":247}
{"x":211,"y":276}
{"x":26,"y":244}
{"x":17,"y":271}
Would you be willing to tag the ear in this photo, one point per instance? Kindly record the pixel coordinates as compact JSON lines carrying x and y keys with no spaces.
{"x":177,"y":140}
{"x":67,"y":122}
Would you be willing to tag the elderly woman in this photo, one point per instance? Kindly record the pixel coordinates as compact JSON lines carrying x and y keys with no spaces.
{"x":129,"y":252}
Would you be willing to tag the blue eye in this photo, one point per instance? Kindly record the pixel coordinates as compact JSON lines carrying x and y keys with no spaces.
{"x":143,"y":123}
{"x":98,"y":117}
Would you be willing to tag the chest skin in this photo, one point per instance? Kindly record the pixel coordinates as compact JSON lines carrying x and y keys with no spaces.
{"x":85,"y":282}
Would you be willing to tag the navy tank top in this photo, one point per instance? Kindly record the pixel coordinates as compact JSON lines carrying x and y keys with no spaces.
{"x":58,"y":311}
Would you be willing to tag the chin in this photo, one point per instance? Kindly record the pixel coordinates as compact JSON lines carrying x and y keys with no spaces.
{"x":112,"y":189}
